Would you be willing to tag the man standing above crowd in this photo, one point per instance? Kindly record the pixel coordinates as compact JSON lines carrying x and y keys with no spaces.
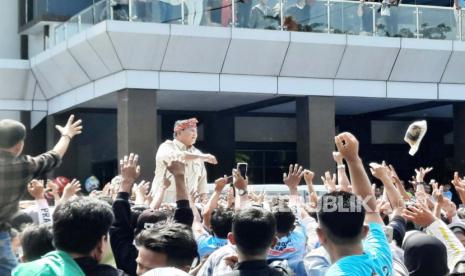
{"x":182,"y":146}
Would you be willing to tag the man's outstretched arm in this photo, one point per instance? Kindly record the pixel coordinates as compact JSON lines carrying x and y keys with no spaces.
{"x":347,"y":145}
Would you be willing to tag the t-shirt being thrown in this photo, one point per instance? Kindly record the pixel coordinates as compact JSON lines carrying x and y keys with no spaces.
{"x":376,"y":259}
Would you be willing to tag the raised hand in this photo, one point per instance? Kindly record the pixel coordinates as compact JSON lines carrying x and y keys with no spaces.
{"x":380,"y":171}
{"x":394,"y":175}
{"x":347,"y":145}
{"x":338,"y":158}
{"x":71,"y":128}
{"x":308,"y":176}
{"x":129,"y":168}
{"x":240,"y":182}
{"x":458,"y":183}
{"x":420,"y":215}
{"x":176,"y":167}
{"x":220,"y":183}
{"x":330,"y":183}
{"x":293,"y":178}
{"x":141,"y":190}
{"x":36,"y":189}
{"x":421,"y":172}
{"x":438,"y":194}
{"x":71,"y":189}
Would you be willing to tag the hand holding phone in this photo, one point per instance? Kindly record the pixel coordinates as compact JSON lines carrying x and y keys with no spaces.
{"x":242,"y":168}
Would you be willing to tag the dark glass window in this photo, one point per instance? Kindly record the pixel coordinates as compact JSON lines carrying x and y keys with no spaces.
{"x":266,"y":166}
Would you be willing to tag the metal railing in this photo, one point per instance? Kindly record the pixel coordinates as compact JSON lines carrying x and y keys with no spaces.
{"x":323,"y":16}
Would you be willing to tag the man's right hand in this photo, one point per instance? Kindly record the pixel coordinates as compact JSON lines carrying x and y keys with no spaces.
{"x":130,"y":171}
{"x":176,"y":168}
{"x":211,"y":159}
{"x":71,"y":128}
{"x":347,"y":145}
{"x":239,"y":181}
{"x":36,"y":189}
{"x":220,"y":183}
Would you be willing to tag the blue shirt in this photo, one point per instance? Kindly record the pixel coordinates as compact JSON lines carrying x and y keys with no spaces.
{"x":291,"y":248}
{"x":207,"y":244}
{"x":376,"y":259}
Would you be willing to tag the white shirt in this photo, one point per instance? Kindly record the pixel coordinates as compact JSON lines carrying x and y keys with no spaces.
{"x":195,"y":174}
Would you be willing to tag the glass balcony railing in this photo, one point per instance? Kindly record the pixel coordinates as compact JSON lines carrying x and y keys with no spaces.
{"x":49,"y":10}
{"x":322,"y":16}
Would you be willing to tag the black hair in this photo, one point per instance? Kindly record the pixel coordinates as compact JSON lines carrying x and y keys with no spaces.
{"x":253,"y":230}
{"x":341,"y":216}
{"x":11,"y":133}
{"x":221,"y":222}
{"x":36,"y":241}
{"x":20,"y":220}
{"x":285,"y":219}
{"x":136,"y":210}
{"x":80,"y":223}
{"x":175,"y":240}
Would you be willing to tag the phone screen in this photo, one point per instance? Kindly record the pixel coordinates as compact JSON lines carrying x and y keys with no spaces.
{"x":242,"y":168}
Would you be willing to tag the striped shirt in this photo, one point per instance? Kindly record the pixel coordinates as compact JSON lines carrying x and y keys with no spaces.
{"x":15,"y":174}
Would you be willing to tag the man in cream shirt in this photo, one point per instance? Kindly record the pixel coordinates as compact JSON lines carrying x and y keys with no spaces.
{"x":182,"y":146}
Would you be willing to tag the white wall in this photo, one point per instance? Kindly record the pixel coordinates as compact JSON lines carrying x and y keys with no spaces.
{"x":35,"y":43}
{"x":265,"y":129}
{"x":13,"y":115}
{"x":10,"y":39}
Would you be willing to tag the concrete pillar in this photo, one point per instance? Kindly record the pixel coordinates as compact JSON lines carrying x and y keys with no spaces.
{"x":315,"y":133}
{"x":459,"y":137}
{"x":220,"y":141}
{"x":137,"y":128}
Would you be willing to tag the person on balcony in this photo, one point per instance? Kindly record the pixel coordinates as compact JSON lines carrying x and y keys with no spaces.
{"x":194,"y":12}
{"x":262,"y":16}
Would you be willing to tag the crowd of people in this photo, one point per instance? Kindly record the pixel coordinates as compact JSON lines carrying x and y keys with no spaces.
{"x":177,"y":227}
{"x":364,"y":17}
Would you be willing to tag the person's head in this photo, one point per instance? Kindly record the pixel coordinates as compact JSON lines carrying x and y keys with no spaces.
{"x":20,"y":220}
{"x":148,"y":218}
{"x":221,"y":222}
{"x":167,"y":244}
{"x":459,"y":230}
{"x":461,"y":213}
{"x":253,"y":232}
{"x":341,"y":220}
{"x":81,"y":225}
{"x":428,"y":189}
{"x":185,"y":131}
{"x":285,"y":219}
{"x":36,"y":241}
{"x":12,"y":135}
{"x":446,"y":187}
{"x":424,"y":254}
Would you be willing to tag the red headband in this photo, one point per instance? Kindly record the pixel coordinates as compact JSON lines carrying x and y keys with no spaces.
{"x":184,"y":124}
